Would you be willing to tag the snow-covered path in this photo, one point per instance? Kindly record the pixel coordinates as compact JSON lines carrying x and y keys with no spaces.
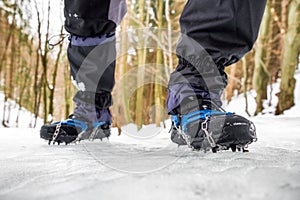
{"x":126,"y":168}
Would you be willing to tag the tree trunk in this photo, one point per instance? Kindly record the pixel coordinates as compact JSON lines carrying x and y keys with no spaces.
{"x":245,"y":84}
{"x":290,"y":61}
{"x":261,"y":75}
{"x":170,"y":40}
{"x":68,"y":91}
{"x":54,"y":75}
{"x":140,"y":74}
{"x":37,"y":80}
{"x":158,"y":90}
{"x":121,"y":105}
{"x":44,"y":58}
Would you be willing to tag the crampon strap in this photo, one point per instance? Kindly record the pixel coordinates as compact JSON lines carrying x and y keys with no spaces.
{"x":195,"y":116}
{"x":80,"y":124}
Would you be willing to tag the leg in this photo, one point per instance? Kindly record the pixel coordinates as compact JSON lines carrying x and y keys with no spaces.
{"x":215,"y":34}
{"x":91,"y":55}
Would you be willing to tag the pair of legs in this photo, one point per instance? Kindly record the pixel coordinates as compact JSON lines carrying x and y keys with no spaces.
{"x":218,"y":32}
{"x":215,"y":34}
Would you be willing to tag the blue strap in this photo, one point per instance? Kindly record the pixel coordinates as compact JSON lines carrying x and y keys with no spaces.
{"x":195,"y":116}
{"x":175,"y":120}
{"x":80,"y":124}
{"x":96,"y":124}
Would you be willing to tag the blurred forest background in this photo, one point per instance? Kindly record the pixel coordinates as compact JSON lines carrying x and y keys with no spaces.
{"x":37,"y":77}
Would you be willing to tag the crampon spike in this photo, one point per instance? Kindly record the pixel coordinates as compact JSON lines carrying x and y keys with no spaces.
{"x":215,"y":149}
{"x":233,"y":148}
{"x":245,"y":150}
{"x":49,"y":142}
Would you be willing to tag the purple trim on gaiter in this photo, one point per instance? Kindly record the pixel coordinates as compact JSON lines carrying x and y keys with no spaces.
{"x":104,"y":115}
{"x":92,"y":114}
{"x":90,"y":41}
{"x":180,"y":91}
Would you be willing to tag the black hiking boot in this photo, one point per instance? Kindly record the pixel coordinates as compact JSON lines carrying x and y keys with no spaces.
{"x":209,"y":127}
{"x":74,"y":129}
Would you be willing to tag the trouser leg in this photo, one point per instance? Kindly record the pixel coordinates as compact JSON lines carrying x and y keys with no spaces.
{"x":93,"y":17}
{"x":92,"y":53}
{"x":215,"y":34}
{"x":93,"y":70}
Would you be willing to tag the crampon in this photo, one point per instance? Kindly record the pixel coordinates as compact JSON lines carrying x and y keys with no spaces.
{"x":213,"y":130}
{"x":73,"y":130}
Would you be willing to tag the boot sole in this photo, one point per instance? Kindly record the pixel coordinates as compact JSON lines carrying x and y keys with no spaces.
{"x":47,"y":132}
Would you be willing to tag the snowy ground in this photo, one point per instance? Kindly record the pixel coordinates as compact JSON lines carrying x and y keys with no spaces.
{"x":151,"y":167}
{"x":126,"y":168}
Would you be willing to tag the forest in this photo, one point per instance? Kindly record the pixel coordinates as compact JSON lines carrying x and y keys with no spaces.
{"x":34,"y":70}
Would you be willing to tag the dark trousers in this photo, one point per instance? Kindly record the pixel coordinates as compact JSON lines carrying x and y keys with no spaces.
{"x":215,"y":34}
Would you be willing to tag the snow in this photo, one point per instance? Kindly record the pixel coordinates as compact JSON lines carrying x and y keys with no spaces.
{"x":146,"y":165}
{"x":25,"y":118}
{"x":30,"y":169}
{"x":238,"y":103}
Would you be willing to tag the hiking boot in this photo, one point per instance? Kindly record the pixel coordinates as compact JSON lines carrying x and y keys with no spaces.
{"x":211,"y":128}
{"x":74,"y":129}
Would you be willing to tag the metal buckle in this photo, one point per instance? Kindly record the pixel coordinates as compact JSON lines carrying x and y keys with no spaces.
{"x":204,"y":127}
{"x":185,"y":137}
{"x":56,"y":132}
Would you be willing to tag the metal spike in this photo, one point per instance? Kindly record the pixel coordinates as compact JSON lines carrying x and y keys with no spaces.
{"x":214,"y":150}
{"x":233,"y":148}
{"x":245,"y":150}
{"x":49,"y":142}
{"x":66,"y":143}
{"x":58,"y":143}
{"x":239,"y":148}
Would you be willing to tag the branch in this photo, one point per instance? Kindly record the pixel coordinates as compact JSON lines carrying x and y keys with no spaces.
{"x":148,"y":33}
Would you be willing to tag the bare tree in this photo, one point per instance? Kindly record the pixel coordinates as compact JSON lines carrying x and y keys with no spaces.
{"x":291,"y":50}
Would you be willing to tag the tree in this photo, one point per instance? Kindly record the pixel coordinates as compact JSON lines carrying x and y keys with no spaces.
{"x":291,"y":50}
